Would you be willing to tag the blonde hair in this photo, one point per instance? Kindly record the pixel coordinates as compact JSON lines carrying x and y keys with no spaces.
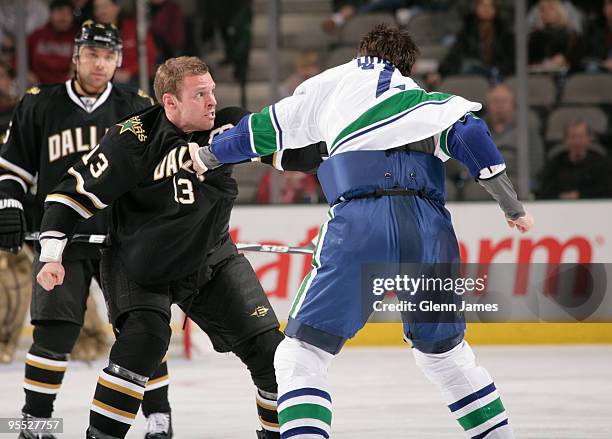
{"x":169,"y":76}
{"x":560,"y":9}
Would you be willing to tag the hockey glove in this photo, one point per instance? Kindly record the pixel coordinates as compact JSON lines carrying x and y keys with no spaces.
{"x":12,"y":225}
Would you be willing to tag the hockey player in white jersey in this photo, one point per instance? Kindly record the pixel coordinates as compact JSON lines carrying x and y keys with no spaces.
{"x":384,"y":180}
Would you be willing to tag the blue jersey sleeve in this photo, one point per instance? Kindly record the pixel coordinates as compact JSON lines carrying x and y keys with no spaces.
{"x":469,"y":141}
{"x":234,"y":145}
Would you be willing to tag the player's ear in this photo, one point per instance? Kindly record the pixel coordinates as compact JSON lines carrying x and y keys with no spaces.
{"x":169,"y":100}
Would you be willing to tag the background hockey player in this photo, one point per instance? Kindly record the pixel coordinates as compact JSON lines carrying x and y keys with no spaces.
{"x":170,"y":244}
{"x":53,"y":128}
{"x":384,"y":181}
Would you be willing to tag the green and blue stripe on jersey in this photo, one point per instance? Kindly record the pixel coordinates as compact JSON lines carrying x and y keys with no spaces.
{"x":387,"y":112}
{"x":261,"y":134}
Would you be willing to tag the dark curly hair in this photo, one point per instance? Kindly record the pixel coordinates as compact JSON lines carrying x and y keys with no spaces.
{"x":392,"y":44}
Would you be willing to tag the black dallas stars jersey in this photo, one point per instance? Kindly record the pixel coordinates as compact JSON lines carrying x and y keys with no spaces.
{"x":51,"y":129}
{"x":164,"y":220}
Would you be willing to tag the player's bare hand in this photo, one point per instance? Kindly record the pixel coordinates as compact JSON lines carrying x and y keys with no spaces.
{"x":523,"y":224}
{"x":51,"y":275}
{"x":198,"y":166}
{"x":188,"y":166}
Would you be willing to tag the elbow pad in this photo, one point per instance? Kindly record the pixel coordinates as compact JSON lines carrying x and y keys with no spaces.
{"x":469,"y":141}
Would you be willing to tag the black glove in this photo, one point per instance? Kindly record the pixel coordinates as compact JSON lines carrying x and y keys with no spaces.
{"x":12,"y":225}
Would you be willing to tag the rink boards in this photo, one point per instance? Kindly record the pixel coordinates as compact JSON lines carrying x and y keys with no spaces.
{"x":564,"y":232}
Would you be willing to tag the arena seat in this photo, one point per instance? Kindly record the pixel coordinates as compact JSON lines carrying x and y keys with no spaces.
{"x":585,"y":88}
{"x":471,"y":87}
{"x":594,"y":116}
{"x":541,"y":89}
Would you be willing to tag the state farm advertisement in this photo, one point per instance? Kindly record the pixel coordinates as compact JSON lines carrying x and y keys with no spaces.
{"x":565,"y":233}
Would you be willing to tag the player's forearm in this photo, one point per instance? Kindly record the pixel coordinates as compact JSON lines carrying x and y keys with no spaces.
{"x":500,"y":188}
{"x":58,"y":223}
{"x":233,"y":146}
{"x":305,"y":159}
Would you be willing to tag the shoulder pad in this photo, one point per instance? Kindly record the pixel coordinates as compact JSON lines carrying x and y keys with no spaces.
{"x":43,"y":93}
{"x":144,"y":95}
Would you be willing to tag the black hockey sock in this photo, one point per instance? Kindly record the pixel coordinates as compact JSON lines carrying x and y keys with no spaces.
{"x":117,"y":399}
{"x":156,"y":393}
{"x":45,"y":365}
{"x":266,"y":410}
{"x":141,"y":344}
{"x":44,"y":372}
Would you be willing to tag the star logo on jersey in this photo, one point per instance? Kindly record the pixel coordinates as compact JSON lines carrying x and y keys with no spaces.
{"x":33,"y":91}
{"x":260,"y":311}
{"x":133,"y":125}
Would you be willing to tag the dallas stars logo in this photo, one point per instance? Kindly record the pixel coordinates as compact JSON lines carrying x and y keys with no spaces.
{"x":133,"y":125}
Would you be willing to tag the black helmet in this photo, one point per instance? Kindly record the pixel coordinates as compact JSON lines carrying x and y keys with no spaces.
{"x":99,"y":35}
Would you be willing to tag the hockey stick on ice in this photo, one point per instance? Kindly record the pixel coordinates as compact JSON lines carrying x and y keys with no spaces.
{"x":262,"y":248}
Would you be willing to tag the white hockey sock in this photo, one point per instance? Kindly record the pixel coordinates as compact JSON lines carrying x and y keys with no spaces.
{"x":468,"y":390}
{"x":304,"y":404}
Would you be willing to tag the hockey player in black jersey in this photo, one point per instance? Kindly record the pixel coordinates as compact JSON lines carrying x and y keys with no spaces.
{"x":169,"y":244}
{"x":53,"y":128}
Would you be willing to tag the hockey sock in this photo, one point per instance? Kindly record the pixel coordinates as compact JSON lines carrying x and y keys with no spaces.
{"x":44,"y":372}
{"x":266,"y":410}
{"x":156,"y":393}
{"x":45,"y":365}
{"x":141,"y":343}
{"x":304,"y":404}
{"x":117,"y":399}
{"x":468,"y":390}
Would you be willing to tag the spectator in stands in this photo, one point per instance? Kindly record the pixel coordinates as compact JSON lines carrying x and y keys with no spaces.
{"x":50,"y":47}
{"x":500,"y":116}
{"x":484,"y":46}
{"x":575,"y":16}
{"x":307,"y":65}
{"x":8,"y":97}
{"x":578,"y":172}
{"x":553,"y":40}
{"x":109,"y":11}
{"x":168,"y":28}
{"x":344,"y":10}
{"x":296,"y":188}
{"x":82,"y":11}
{"x":593,"y":145}
{"x":597,"y":40}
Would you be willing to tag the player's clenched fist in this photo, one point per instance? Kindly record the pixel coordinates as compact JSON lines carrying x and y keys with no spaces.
{"x":51,"y":275}
{"x":203,"y":158}
{"x":523,"y":223}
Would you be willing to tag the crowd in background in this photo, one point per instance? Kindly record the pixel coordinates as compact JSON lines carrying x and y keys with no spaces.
{"x":565,"y":38}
